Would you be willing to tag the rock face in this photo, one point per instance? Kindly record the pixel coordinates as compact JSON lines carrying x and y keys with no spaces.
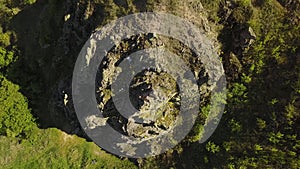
{"x":167,"y":76}
{"x":150,"y":90}
{"x":237,"y":36}
{"x":50,"y":35}
{"x":74,"y":23}
{"x":243,"y":37}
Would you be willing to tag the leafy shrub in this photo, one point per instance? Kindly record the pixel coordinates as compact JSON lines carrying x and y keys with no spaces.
{"x":212,"y":147}
{"x":29,"y":2}
{"x":15,"y":117}
{"x":6,"y":57}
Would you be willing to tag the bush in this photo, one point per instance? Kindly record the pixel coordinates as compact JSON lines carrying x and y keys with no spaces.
{"x":15,"y":118}
{"x":29,"y":2}
{"x":6,"y":58}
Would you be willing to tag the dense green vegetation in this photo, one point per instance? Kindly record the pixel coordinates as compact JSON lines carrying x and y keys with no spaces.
{"x":260,"y":128}
{"x":15,"y":119}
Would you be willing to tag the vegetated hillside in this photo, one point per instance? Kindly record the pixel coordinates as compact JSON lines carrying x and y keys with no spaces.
{"x":260,"y":52}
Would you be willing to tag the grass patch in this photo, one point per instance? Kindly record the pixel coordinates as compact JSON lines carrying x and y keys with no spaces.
{"x":55,"y":149}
